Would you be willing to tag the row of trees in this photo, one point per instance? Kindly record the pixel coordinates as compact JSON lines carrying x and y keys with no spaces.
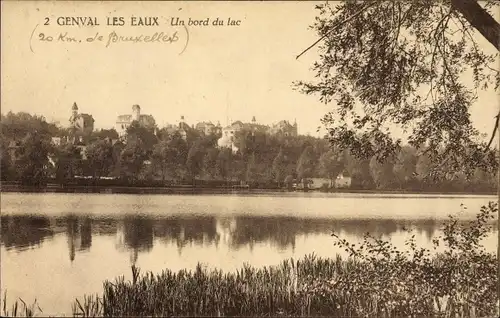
{"x":262,"y":159}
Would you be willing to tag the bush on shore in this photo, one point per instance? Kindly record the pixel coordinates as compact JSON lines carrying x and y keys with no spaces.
{"x":376,"y":280}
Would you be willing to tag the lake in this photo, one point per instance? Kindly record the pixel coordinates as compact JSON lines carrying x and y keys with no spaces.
{"x":55,"y":247}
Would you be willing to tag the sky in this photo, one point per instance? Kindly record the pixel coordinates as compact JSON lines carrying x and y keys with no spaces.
{"x":212,"y":73}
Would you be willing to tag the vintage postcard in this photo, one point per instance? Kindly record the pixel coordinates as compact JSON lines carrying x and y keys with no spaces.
{"x":241,"y":158}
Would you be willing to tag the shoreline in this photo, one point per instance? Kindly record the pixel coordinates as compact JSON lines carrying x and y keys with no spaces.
{"x":186,"y":190}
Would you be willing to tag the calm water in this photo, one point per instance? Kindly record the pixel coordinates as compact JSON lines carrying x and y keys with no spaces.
{"x":55,"y":247}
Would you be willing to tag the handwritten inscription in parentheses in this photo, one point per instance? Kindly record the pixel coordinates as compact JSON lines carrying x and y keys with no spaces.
{"x":177,"y":37}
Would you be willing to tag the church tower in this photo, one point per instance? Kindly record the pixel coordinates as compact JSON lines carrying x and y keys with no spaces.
{"x":74,"y":115}
{"x":74,"y":110}
{"x":136,"y":112}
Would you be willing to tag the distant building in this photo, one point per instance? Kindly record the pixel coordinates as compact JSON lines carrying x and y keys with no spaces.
{"x":208,"y":128}
{"x":12,"y":149}
{"x":228,"y":137}
{"x":343,"y":181}
{"x":284,"y":128}
{"x":250,"y":127}
{"x":316,"y":183}
{"x":81,"y":123}
{"x":124,"y":121}
{"x":80,"y":144}
{"x":229,"y":132}
{"x":181,"y":127}
{"x":182,"y":124}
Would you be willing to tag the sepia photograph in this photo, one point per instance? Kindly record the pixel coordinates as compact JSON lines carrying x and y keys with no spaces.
{"x":250,"y":158}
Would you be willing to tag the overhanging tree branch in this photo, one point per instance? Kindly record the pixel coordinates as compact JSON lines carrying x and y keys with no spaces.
{"x":480,"y":19}
{"x":334,"y":27}
{"x":494,"y":131}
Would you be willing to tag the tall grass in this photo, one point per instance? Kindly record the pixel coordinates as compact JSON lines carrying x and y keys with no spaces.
{"x":377,"y":280}
{"x":19,"y":308}
{"x":309,"y":287}
{"x":277,"y":290}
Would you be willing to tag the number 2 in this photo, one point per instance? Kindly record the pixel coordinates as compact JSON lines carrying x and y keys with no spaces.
{"x":46,"y":21}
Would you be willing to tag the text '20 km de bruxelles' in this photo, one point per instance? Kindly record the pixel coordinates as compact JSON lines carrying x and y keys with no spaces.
{"x":113,"y":37}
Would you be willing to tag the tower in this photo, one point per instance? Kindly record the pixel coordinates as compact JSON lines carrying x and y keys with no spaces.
{"x":74,"y":110}
{"x":253,"y":120}
{"x":73,"y":122}
{"x":136,"y":112}
{"x":74,"y":115}
{"x":182,"y":122}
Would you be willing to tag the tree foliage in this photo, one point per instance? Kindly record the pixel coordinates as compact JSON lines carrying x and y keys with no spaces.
{"x":146,"y":136}
{"x":280,"y":166}
{"x":267,"y":161}
{"x":405,"y":166}
{"x":68,"y":162}
{"x":210,"y":163}
{"x":15,"y":126}
{"x":100,"y":158}
{"x":194,"y":162}
{"x":306,"y":164}
{"x":251,"y":169}
{"x":404,"y":64}
{"x":224,"y":163}
{"x":132,"y":159}
{"x":32,"y":159}
{"x":331,"y":164}
{"x":6,"y":171}
{"x":382,"y":173}
{"x":111,"y":134}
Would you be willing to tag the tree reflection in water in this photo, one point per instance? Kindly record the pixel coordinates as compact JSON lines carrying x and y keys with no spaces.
{"x":21,"y":232}
{"x":137,"y":233}
{"x":185,"y":231}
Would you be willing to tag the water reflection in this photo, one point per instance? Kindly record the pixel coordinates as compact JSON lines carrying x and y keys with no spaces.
{"x":139,"y":233}
{"x":78,"y":232}
{"x":21,"y":232}
{"x":184,"y":231}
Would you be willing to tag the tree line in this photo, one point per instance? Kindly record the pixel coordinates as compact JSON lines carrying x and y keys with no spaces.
{"x":164,"y":156}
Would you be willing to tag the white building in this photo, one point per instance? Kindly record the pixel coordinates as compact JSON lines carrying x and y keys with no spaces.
{"x":124,"y":121}
{"x":227,"y":139}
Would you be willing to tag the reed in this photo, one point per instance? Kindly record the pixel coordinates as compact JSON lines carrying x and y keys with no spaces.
{"x":311,"y":286}
{"x":19,"y":308}
{"x":376,"y":280}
